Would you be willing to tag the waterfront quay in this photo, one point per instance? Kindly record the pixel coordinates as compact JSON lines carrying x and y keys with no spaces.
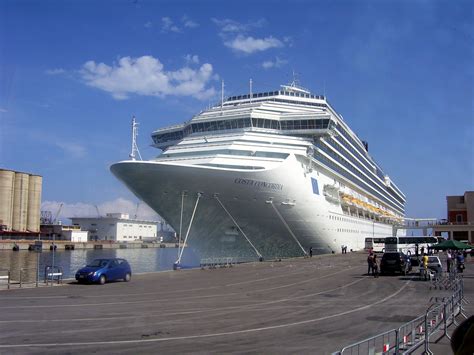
{"x":312,"y":305}
{"x":68,"y":245}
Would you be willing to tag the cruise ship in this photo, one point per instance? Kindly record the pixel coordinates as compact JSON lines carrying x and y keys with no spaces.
{"x":266,"y":175}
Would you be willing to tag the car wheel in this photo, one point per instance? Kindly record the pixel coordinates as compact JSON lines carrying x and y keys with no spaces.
{"x":127,"y":277}
{"x":102,"y":279}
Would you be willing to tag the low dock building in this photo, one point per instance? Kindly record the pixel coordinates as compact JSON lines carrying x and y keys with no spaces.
{"x":117,"y":227}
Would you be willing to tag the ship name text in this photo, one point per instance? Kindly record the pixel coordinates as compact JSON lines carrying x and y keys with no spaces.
{"x":259,"y":184}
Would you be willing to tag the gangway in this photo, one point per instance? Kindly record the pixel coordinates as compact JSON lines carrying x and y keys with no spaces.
{"x":416,"y":224}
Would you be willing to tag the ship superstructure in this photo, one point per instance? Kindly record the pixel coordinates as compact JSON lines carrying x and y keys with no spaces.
{"x":266,"y":174}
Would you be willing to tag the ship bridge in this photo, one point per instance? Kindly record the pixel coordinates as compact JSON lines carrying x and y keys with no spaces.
{"x":290,"y":111}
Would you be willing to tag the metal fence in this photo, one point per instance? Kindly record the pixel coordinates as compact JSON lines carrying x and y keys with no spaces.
{"x":26,"y":276}
{"x":213,"y":263}
{"x":5,"y":277}
{"x":53,"y":273}
{"x":416,"y":333}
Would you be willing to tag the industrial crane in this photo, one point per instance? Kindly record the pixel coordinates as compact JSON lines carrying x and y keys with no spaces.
{"x":55,"y":219}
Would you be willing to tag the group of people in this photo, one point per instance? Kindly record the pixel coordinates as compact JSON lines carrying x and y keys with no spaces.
{"x":344,"y":249}
{"x":372,"y":264}
{"x":455,"y":259}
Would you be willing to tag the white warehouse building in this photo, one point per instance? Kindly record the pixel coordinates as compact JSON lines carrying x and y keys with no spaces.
{"x":117,"y":227}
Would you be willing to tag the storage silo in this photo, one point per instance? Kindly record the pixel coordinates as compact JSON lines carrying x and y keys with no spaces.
{"x":7,"y":179}
{"x":34,"y":203}
{"x":20,"y":202}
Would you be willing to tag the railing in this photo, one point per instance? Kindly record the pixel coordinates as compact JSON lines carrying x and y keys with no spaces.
{"x":52,"y":273}
{"x":5,"y":275}
{"x":416,"y":333}
{"x":24,"y":272}
{"x":446,"y":223}
{"x":213,"y":263}
{"x":383,"y":342}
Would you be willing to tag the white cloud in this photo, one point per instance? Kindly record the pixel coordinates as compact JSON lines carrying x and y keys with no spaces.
{"x":250,"y":45}
{"x":188,"y":23}
{"x":73,"y":150}
{"x":191,"y":59}
{"x":277,"y":63}
{"x":80,"y":209}
{"x":55,"y":71}
{"x":231,"y":26}
{"x":149,"y":24}
{"x":3,"y":110}
{"x":146,"y":76}
{"x":234,"y":34}
{"x":167,"y":25}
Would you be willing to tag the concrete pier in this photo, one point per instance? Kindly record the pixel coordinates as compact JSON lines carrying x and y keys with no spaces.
{"x":68,"y":245}
{"x":299,"y":306}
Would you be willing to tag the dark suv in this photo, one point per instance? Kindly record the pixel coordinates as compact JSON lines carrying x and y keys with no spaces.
{"x":395,"y":262}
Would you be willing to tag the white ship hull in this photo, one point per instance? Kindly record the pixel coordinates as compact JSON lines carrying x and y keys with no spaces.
{"x":273,"y":212}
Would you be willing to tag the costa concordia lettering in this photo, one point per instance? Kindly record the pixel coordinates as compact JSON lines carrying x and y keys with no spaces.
{"x":263,"y":184}
{"x":266,"y":175}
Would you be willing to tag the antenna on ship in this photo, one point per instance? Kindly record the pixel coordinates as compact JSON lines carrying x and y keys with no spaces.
{"x":135,"y":150}
{"x":222,"y":94}
{"x":296,"y":81}
{"x":250,"y":89}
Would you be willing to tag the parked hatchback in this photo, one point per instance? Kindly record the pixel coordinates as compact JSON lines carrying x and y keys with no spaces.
{"x":395,"y":262}
{"x":435,"y":264}
{"x":103,"y":270}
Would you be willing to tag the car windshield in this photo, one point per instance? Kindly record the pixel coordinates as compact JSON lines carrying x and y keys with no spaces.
{"x":98,"y":263}
{"x":432,"y":259}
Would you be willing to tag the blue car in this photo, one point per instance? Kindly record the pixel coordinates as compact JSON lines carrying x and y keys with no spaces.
{"x":103,"y":270}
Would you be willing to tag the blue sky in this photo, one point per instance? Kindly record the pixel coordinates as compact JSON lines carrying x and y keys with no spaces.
{"x":72,"y":73}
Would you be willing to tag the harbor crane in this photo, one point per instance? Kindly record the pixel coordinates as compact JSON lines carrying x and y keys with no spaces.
{"x":55,"y":219}
{"x":97,"y":209}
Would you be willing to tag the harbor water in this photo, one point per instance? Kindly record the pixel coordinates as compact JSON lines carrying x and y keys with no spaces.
{"x":141,"y":260}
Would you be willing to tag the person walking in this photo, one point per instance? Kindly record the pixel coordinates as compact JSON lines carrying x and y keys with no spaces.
{"x":375,"y":266}
{"x":310,"y":252}
{"x":370,"y":263}
{"x":424,"y":260}
{"x":460,"y":261}
{"x":449,"y":261}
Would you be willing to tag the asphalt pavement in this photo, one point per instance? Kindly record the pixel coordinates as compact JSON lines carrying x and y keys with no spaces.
{"x":312,"y":305}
